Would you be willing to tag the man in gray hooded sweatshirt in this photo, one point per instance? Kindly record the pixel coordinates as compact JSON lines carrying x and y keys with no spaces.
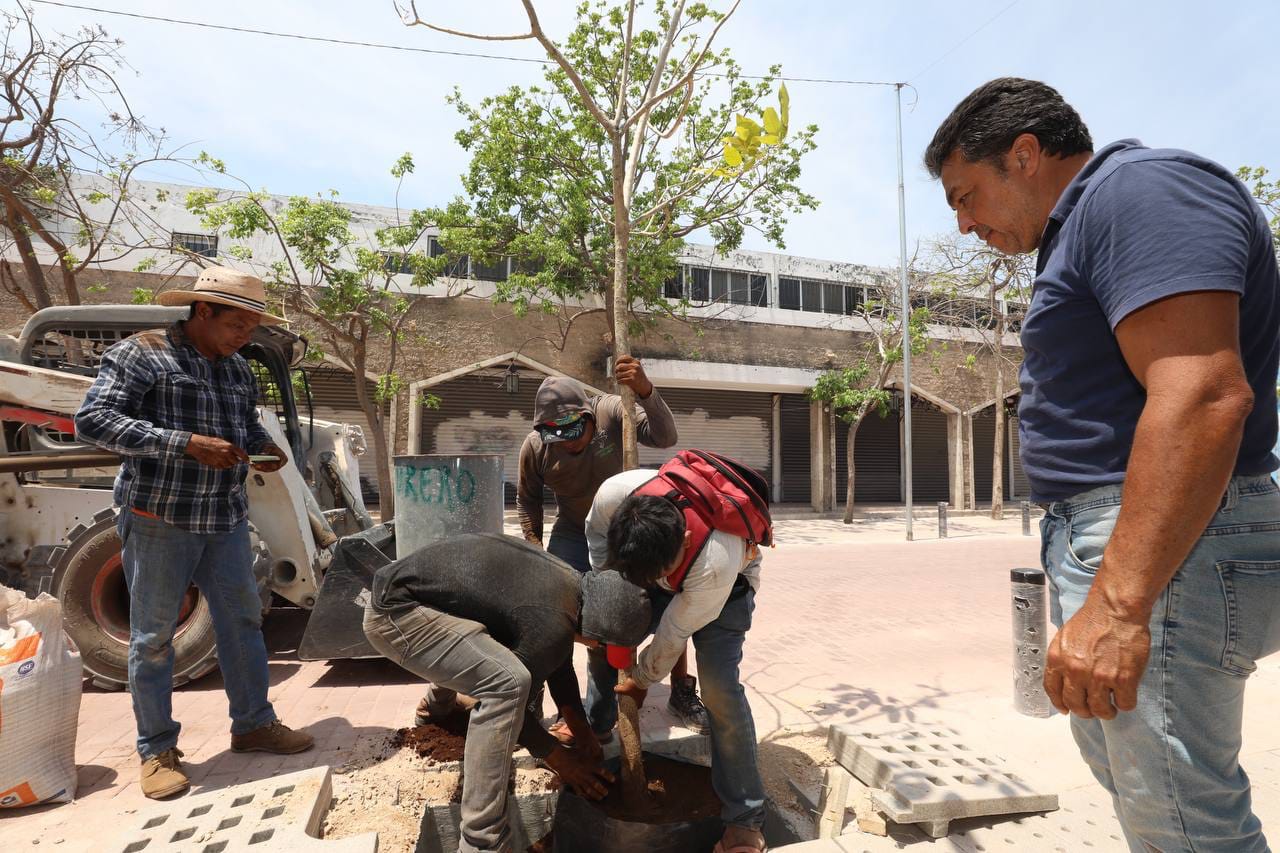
{"x":575,"y":445}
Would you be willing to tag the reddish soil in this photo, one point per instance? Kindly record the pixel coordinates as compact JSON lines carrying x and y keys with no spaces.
{"x":438,"y":741}
{"x":677,"y":792}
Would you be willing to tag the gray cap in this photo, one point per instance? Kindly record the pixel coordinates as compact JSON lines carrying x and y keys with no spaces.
{"x":614,"y":610}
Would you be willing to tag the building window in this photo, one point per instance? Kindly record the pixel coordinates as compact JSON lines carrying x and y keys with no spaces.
{"x":204,"y":245}
{"x":490,"y":272}
{"x":789,"y":293}
{"x":673,"y":288}
{"x":810,"y":295}
{"x":699,"y":279}
{"x":457,"y":268}
{"x":819,"y":297}
{"x":853,"y":300}
{"x":735,"y":287}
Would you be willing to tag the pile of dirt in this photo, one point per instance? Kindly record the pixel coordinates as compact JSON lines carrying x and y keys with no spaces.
{"x":440,"y":740}
{"x":387,"y":782}
{"x":678,"y":792}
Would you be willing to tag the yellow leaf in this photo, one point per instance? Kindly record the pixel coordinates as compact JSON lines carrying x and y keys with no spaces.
{"x":771,"y":123}
{"x":732,"y":156}
{"x":771,"y":139}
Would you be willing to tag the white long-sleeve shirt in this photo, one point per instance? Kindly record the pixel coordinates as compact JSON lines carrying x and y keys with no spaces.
{"x":706,"y":587}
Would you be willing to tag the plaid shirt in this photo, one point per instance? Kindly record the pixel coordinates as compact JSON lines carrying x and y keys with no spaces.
{"x":153,"y":391}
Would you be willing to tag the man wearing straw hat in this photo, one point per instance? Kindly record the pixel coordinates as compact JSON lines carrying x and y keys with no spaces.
{"x":179,"y":405}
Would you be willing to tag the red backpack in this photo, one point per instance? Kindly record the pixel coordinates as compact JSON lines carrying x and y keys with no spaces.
{"x":715,"y":493}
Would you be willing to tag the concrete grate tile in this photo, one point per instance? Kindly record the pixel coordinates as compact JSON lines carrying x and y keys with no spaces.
{"x":930,"y":776}
{"x":278,"y":813}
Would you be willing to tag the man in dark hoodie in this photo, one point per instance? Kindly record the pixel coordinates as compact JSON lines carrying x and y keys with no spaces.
{"x":490,"y":616}
{"x":575,"y":445}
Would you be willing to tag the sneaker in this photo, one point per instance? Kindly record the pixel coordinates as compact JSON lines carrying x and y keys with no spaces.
{"x":162,"y":775}
{"x":686,"y":705}
{"x":274,"y":737}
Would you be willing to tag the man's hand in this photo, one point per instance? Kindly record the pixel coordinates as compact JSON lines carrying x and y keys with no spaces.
{"x":1100,"y":653}
{"x":577,"y":771}
{"x":214,"y":452}
{"x":628,"y":371}
{"x":635,"y":691}
{"x":270,"y":449}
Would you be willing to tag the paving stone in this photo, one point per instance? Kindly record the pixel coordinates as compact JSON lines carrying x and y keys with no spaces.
{"x":282,"y":813}
{"x":930,"y":776}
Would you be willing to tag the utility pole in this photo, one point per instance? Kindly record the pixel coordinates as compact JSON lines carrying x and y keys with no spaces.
{"x":906,"y":321}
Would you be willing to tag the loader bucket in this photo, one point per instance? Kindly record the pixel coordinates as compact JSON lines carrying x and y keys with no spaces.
{"x":334,"y":629}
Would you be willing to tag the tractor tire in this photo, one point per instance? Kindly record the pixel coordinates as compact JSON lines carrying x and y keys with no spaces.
{"x":89,"y":581}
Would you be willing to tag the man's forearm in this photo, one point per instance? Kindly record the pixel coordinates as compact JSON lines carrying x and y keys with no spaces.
{"x":1184,"y":451}
{"x":529,"y":512}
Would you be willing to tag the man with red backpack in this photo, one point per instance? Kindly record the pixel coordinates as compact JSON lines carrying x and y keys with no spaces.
{"x":691,"y":534}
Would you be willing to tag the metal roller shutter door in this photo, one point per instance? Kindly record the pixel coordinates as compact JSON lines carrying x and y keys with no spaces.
{"x":735,"y":423}
{"x":1021,"y":486}
{"x":930,"y":480}
{"x":477,"y":415}
{"x":984,"y":436}
{"x":877,"y":460}
{"x":795,"y":449}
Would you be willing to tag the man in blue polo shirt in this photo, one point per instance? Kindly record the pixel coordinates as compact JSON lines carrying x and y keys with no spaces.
{"x":1148,"y":418}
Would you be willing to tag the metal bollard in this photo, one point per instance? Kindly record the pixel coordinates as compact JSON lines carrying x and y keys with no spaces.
{"x":942,"y":519}
{"x":1026,"y":518}
{"x":1029,"y":630}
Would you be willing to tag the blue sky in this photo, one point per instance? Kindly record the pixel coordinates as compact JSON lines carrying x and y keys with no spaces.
{"x":298,"y":117}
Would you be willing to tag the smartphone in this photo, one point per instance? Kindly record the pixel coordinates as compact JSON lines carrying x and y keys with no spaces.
{"x":256,"y":459}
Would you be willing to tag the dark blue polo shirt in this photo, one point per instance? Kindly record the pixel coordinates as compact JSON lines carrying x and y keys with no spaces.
{"x":1136,"y":225}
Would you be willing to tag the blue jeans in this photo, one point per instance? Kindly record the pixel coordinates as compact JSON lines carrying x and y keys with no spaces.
{"x":160,"y":562}
{"x":1172,"y":764}
{"x":601,"y":705}
{"x":735,"y":774}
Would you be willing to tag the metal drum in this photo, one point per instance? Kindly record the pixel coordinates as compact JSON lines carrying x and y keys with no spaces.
{"x":441,"y":496}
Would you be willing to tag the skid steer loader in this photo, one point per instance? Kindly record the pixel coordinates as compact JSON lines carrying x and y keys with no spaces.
{"x":58,"y":527}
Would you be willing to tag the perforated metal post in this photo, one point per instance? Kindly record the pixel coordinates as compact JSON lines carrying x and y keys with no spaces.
{"x":942,"y":519}
{"x":1026,"y":518}
{"x":1029,"y":629}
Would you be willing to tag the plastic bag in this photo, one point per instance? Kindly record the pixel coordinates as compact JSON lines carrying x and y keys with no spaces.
{"x":39,"y":702}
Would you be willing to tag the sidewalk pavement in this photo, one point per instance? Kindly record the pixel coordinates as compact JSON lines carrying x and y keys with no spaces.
{"x":850,"y":626}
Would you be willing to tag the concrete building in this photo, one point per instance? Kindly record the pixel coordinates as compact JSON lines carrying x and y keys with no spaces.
{"x":762,"y":327}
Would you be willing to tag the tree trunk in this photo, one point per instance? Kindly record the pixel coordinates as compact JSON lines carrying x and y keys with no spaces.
{"x":634,"y":784}
{"x":30,"y":264}
{"x":381,"y":456}
{"x":997,"y":455}
{"x":851,"y":470}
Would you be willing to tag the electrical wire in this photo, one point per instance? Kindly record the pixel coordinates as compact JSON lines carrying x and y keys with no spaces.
{"x":406,"y":48}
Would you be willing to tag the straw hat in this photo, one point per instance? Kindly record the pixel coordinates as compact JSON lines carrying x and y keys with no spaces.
{"x":225,"y":286}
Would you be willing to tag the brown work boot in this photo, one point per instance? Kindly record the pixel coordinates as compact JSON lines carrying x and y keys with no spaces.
{"x":739,"y":839}
{"x":162,"y":775}
{"x":427,"y":713}
{"x":274,"y":737}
